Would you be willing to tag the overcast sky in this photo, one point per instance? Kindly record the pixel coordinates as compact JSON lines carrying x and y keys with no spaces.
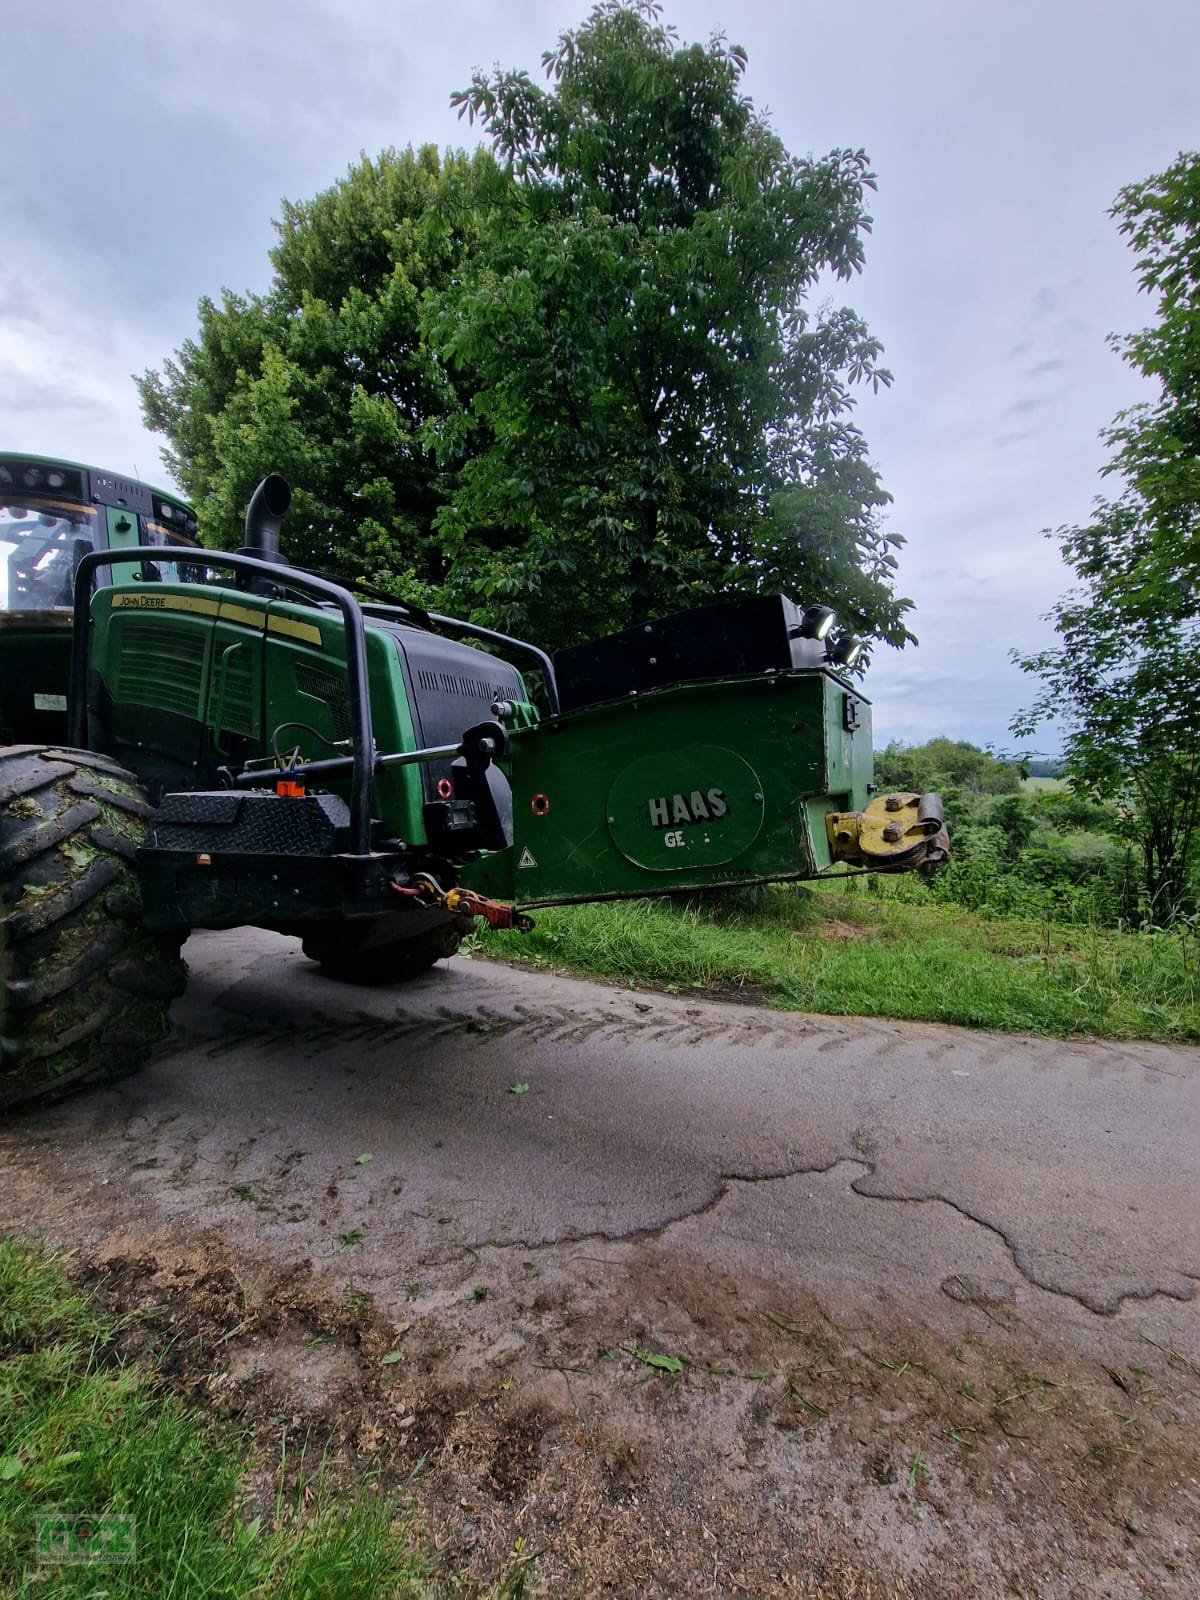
{"x":147,"y":144}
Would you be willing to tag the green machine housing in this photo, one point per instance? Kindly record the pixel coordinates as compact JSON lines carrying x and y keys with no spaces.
{"x":358,"y":774}
{"x":203,"y":739}
{"x":701,"y":750}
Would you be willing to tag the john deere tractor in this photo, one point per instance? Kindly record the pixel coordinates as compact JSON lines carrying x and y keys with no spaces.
{"x":194,"y":739}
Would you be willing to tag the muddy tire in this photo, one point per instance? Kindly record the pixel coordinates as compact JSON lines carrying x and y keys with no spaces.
{"x":84,"y":987}
{"x":340,"y":956}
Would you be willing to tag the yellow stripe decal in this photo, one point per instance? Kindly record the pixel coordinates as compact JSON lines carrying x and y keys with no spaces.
{"x":232,"y":613}
{"x":143,"y":600}
{"x":294,"y":630}
{"x":227,"y":610}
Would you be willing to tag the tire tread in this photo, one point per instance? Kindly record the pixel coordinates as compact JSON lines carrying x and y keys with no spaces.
{"x":84,"y":986}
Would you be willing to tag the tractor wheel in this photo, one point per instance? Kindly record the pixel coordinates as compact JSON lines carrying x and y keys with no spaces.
{"x":342,"y":957}
{"x":84,"y":987}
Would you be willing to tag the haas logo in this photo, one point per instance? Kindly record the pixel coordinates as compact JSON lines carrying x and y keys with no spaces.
{"x":668,"y":810}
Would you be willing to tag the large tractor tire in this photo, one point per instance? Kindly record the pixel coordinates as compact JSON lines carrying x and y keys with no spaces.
{"x":348,"y":959}
{"x":84,"y":986}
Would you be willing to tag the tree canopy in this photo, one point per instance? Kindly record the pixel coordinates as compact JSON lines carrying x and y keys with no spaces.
{"x":946,"y":763}
{"x":328,"y":378}
{"x":1125,"y":675}
{"x":665,"y":418}
{"x":572,"y":381}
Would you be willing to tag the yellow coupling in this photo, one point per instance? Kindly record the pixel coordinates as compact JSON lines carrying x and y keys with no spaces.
{"x":895,"y":833}
{"x":466,"y":903}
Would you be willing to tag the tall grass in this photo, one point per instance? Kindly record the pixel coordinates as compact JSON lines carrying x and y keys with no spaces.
{"x":845,"y":948}
{"x":81,"y":1433}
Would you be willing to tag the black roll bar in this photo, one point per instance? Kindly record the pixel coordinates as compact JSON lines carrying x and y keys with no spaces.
{"x":363,"y":757}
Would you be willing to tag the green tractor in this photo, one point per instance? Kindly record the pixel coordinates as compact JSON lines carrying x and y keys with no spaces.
{"x":195,"y":739}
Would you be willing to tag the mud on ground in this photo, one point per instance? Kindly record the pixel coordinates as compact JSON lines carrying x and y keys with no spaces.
{"x":803,"y":1446}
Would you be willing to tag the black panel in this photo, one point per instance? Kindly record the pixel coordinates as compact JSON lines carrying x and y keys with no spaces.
{"x":222,"y":860}
{"x":110,"y":490}
{"x":14,"y":470}
{"x":737,"y":638}
{"x":479,"y":817}
{"x":451,"y":688}
{"x":33,"y":664}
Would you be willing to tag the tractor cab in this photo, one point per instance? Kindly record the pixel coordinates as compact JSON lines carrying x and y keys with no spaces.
{"x":52,"y":514}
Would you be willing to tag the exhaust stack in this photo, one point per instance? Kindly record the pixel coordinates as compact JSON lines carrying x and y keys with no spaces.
{"x":264,"y":514}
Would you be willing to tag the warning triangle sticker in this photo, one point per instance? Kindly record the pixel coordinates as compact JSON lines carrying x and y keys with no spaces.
{"x":526,"y":859}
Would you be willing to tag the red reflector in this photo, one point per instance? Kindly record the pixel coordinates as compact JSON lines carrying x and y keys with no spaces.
{"x":289,"y":790}
{"x":203,"y":860}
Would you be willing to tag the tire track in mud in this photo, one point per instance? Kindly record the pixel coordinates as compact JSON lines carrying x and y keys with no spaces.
{"x":536,"y":1023}
{"x":231,"y":1020}
{"x":521,"y":1024}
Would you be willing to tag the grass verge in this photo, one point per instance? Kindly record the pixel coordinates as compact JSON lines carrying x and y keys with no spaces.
{"x":82,"y":1433}
{"x":848,"y":948}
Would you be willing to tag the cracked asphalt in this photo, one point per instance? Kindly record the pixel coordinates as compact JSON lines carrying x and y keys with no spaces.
{"x":1079,"y":1160}
{"x":488,"y":1122}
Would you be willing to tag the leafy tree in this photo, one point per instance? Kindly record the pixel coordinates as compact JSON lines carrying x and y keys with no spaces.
{"x":1015,"y":850}
{"x":942,"y":764}
{"x":327,"y":377}
{"x":657,"y":416}
{"x":571,"y":387}
{"x":1125,"y":675}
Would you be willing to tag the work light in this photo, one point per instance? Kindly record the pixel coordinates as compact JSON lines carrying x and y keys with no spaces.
{"x":816,"y":622}
{"x":845,"y":650}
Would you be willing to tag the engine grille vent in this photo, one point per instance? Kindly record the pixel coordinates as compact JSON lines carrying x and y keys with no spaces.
{"x":331,"y":689}
{"x":469,"y":688}
{"x":161,"y":664}
{"x":238,"y":711}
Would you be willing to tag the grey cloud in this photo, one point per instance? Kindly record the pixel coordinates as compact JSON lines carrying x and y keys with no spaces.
{"x":1033,"y":402}
{"x":25,"y":394}
{"x":1045,"y":302}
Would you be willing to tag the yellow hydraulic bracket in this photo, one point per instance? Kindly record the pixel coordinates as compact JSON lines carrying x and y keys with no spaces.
{"x":895,"y":832}
{"x":464,"y":903}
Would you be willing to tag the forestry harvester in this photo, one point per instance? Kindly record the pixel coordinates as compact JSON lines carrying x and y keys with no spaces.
{"x":193,"y":739}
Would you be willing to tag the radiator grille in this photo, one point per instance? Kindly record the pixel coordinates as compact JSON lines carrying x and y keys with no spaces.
{"x":161,"y":664}
{"x":238,"y":712}
{"x":330,"y":688}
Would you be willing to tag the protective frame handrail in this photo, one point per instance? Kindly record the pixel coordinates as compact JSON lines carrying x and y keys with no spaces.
{"x":362,"y":781}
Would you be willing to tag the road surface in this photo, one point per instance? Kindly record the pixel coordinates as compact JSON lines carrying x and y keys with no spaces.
{"x":856,"y":1237}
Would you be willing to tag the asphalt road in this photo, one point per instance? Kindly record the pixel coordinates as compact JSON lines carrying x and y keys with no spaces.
{"x":1072,"y":1168}
{"x":536,"y":1178}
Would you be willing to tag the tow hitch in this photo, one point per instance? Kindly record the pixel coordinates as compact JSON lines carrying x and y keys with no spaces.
{"x":896,"y":832}
{"x":464,"y":903}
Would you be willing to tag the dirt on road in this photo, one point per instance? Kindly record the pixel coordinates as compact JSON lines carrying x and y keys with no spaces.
{"x":798,"y":1379}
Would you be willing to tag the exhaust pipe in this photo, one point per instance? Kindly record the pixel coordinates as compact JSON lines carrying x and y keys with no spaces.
{"x":264,"y":514}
